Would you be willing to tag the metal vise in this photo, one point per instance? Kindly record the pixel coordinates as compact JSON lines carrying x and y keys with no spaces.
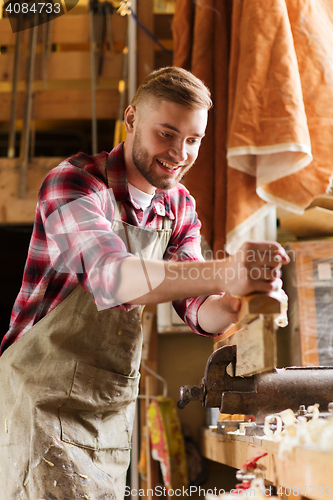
{"x":260,"y":394}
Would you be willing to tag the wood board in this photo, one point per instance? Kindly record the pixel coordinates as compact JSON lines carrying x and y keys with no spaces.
{"x":323,"y":201}
{"x":65,"y":104}
{"x":63,"y":65}
{"x":314,"y":222}
{"x":259,"y":303}
{"x":256,"y":347}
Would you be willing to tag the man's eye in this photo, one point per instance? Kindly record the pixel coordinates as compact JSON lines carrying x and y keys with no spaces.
{"x":166,"y":135}
{"x":193,"y":141}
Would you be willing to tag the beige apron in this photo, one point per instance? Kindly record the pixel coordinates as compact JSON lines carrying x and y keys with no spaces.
{"x":67,"y":395}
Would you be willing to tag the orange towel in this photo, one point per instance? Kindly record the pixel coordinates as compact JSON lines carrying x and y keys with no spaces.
{"x":280,"y":126}
{"x":201,"y":32}
{"x":279,"y":112}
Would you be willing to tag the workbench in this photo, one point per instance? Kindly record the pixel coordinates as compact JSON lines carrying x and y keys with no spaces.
{"x":301,"y":473}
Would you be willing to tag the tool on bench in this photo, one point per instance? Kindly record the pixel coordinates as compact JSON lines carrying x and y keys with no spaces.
{"x":264,"y":392}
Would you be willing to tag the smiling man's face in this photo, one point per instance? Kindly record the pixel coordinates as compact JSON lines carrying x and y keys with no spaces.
{"x":162,"y":143}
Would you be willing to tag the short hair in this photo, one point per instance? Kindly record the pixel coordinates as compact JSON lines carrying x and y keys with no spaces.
{"x":176,"y":85}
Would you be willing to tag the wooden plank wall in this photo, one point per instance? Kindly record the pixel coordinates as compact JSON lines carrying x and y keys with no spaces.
{"x":14,"y":210}
{"x":66,"y":92}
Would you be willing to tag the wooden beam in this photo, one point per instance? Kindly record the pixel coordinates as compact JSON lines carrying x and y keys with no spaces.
{"x":256,"y":347}
{"x":65,"y":104}
{"x":255,"y":335}
{"x":313,"y":223}
{"x":69,"y":65}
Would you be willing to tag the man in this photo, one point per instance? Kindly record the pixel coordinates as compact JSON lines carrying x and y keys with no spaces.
{"x":112,"y":232}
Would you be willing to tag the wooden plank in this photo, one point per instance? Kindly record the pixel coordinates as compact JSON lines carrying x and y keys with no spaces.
{"x":21,"y":211}
{"x":258,"y":303}
{"x":301,"y":283}
{"x":39,"y":85}
{"x":73,"y":65}
{"x":307,"y":470}
{"x":307,"y":310}
{"x":256,"y":347}
{"x":235,"y":452}
{"x":65,"y":104}
{"x":315,"y":221}
{"x":254,"y":334}
{"x":66,"y":29}
{"x":323,"y":201}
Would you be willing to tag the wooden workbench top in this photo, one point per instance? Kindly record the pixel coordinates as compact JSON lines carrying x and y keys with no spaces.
{"x":300,"y":473}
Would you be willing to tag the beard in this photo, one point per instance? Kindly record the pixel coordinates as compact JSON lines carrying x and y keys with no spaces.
{"x":144,"y":163}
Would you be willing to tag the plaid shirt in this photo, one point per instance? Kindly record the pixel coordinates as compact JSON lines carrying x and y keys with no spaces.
{"x":73,"y":242}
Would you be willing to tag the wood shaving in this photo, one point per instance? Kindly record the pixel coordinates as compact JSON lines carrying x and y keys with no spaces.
{"x":50,"y":463}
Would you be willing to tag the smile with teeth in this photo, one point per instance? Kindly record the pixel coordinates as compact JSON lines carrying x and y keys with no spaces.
{"x":168,"y":165}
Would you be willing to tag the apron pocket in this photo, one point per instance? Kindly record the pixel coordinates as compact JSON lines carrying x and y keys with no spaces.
{"x":100,"y":409}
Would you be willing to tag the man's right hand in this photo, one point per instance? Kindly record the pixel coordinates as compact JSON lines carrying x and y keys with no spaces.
{"x":255,"y":268}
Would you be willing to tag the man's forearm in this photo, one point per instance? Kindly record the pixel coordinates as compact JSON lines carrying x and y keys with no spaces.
{"x":253,"y":268}
{"x":153,"y":281}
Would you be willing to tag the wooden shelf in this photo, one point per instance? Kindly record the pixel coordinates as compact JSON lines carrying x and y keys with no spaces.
{"x":305,"y":470}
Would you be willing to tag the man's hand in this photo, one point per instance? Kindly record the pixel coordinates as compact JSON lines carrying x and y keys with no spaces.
{"x":218,"y":312}
{"x":255,"y":268}
{"x":231,"y":306}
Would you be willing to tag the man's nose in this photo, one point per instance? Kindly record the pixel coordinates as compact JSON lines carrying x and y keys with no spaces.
{"x":178,"y":151}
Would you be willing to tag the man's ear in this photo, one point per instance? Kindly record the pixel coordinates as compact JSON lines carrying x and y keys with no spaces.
{"x":130,"y":117}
